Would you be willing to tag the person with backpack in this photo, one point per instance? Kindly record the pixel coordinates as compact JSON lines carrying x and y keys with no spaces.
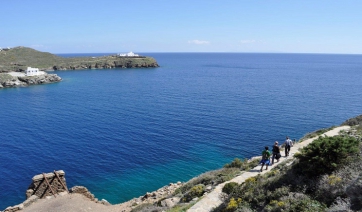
{"x":276,"y":152}
{"x":288,"y":143}
{"x":265,"y":160}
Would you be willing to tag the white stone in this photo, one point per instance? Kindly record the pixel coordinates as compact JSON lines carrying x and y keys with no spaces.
{"x":195,"y":199}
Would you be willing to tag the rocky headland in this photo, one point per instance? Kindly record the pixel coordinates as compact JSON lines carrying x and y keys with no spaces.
{"x":14,"y":62}
{"x":19,"y":58}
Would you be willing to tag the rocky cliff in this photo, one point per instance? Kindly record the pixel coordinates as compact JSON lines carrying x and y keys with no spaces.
{"x":19,"y":58}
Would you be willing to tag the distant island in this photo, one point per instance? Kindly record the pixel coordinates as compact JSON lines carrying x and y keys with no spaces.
{"x":15,"y":64}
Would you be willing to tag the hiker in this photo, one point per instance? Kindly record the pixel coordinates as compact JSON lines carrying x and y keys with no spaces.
{"x":276,"y":152}
{"x":288,"y":143}
{"x":265,"y":159}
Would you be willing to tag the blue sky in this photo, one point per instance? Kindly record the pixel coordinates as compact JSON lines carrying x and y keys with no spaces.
{"x":70,"y":26}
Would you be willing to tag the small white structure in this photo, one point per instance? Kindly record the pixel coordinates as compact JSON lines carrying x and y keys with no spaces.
{"x":129,"y":54}
{"x":32,"y":71}
{"x":5,"y":49}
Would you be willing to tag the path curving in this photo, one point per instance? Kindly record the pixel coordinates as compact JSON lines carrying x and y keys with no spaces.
{"x":212,"y":200}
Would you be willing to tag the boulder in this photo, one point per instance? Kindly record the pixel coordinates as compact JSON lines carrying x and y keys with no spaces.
{"x":170,"y":202}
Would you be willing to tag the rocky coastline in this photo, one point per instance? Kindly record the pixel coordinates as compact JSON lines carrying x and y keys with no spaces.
{"x":9,"y":81}
{"x":17,"y":60}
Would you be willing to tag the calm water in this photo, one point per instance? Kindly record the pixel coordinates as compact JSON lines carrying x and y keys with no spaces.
{"x":124,"y":132}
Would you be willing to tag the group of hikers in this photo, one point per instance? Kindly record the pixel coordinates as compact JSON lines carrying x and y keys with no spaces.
{"x":275,"y":153}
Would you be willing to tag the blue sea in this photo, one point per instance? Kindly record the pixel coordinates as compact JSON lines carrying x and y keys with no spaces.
{"x":124,"y":132}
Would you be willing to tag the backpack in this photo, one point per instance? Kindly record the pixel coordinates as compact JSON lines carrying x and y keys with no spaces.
{"x":265,"y":155}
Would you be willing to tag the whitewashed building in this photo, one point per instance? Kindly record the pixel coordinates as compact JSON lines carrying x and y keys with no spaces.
{"x":32,"y":71}
{"x":129,"y":54}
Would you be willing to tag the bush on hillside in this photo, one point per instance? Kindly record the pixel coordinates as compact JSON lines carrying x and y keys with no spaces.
{"x":295,"y":202}
{"x":229,"y":187}
{"x":242,"y":164}
{"x":353,"y":121}
{"x":326,"y":154}
{"x":236,"y":163}
{"x":196,"y":191}
{"x":212,"y":178}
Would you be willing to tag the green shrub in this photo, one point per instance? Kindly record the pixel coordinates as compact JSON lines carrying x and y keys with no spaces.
{"x":236,"y":163}
{"x":232,"y":205}
{"x":295,"y":202}
{"x":229,"y":187}
{"x":209,"y":178}
{"x":196,"y":191}
{"x":326,"y":154}
{"x":279,"y":192}
{"x":252,"y":191}
{"x":180,"y":208}
{"x":242,"y":164}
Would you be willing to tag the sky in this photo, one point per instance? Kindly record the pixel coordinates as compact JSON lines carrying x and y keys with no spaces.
{"x":109,"y":26}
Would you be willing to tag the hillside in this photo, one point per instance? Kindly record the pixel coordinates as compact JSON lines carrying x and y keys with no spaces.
{"x":19,"y":58}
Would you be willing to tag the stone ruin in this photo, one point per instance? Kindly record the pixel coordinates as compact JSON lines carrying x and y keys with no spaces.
{"x":40,"y":187}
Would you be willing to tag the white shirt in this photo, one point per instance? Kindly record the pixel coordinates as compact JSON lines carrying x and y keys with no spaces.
{"x":288,"y":142}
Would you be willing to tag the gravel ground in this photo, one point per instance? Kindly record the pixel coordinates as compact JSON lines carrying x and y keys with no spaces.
{"x":69,"y":203}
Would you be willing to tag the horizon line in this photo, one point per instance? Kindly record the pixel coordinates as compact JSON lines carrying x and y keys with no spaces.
{"x":216,"y":52}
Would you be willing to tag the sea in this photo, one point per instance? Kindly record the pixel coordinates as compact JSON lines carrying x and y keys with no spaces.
{"x":124,"y":132}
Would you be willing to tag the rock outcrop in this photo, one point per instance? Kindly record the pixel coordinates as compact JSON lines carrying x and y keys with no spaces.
{"x":163,"y":196}
{"x":84,"y":191}
{"x":8,"y":81}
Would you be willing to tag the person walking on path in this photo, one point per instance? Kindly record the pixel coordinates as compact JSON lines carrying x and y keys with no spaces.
{"x":265,"y":159}
{"x":288,"y":143}
{"x":276,"y":152}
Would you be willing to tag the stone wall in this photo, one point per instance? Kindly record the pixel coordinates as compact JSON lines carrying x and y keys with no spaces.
{"x":40,"y":188}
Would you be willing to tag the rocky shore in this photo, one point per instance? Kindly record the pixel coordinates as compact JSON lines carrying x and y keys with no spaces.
{"x":9,"y":81}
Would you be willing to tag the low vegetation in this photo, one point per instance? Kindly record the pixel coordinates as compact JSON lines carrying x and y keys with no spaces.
{"x":316,"y":133}
{"x":326,"y":154}
{"x":354,"y":121}
{"x":5,"y":77}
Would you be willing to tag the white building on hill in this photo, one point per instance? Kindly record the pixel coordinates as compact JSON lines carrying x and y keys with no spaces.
{"x":32,"y":71}
{"x":130,"y":54}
